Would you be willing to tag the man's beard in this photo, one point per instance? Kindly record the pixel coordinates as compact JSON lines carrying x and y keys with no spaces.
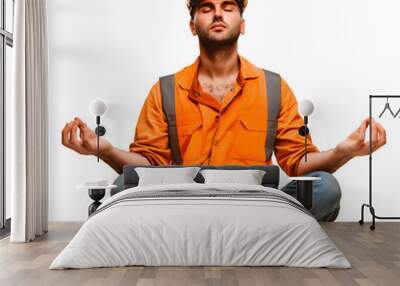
{"x":209,"y":42}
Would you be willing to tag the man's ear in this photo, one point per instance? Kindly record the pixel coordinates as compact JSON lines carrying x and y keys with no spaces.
{"x":192,"y":28}
{"x":243,"y":27}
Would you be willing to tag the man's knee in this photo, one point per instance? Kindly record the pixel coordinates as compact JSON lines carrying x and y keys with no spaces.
{"x":328,"y":185}
{"x":331,"y":187}
{"x":327,"y":194}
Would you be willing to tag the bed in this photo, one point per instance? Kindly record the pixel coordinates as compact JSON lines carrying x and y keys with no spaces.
{"x":201,"y":224}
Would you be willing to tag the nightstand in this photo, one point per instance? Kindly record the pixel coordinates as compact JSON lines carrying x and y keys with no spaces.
{"x":305,"y":190}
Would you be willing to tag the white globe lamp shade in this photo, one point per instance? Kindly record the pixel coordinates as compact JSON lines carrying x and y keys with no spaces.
{"x":306,"y":107}
{"x":97,"y":107}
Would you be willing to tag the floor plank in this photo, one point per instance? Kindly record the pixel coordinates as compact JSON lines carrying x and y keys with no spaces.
{"x":375,"y":257}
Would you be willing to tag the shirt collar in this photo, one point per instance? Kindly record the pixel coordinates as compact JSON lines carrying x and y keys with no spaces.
{"x":186,"y":77}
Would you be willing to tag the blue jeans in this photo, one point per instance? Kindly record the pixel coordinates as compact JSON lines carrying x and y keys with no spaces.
{"x":326,"y":195}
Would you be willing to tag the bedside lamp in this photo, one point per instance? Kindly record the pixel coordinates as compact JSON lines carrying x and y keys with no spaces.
{"x":304,"y":191}
{"x":306,"y":108}
{"x":97,"y":107}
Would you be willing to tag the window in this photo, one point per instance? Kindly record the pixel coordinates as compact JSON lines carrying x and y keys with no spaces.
{"x":6,"y":44}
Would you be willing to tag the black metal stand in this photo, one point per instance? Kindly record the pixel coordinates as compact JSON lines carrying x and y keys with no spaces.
{"x":100,"y":131}
{"x":304,"y":131}
{"x":370,"y":205}
{"x":96,"y":195}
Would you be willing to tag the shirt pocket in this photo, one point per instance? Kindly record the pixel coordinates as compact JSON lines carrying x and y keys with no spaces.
{"x":250,"y":136}
{"x":187,"y":126}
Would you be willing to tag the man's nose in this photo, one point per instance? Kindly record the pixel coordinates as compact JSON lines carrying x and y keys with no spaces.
{"x":218,"y":13}
{"x":218,"y":18}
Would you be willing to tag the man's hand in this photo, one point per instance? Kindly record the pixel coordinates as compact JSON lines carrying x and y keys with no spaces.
{"x":86,"y":144}
{"x":356,"y":145}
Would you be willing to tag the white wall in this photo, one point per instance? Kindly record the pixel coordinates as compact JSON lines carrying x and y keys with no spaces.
{"x":335,"y":53}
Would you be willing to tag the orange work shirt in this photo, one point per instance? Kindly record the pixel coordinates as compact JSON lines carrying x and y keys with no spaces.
{"x":229,"y":133}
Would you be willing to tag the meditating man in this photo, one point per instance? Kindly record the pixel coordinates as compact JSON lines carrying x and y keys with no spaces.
{"x":223,"y":110}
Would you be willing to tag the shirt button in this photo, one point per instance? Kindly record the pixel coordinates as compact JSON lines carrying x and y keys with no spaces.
{"x":217,"y":118}
{"x":216,"y":142}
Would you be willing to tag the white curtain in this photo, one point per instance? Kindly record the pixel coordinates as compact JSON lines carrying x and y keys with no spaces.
{"x":28,"y":120}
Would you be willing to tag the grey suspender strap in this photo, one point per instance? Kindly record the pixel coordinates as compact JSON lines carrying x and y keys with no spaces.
{"x":167,"y":84}
{"x":273,"y":82}
{"x":273,"y":85}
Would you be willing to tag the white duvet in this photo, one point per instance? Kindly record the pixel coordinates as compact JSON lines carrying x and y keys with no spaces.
{"x":202,"y":231}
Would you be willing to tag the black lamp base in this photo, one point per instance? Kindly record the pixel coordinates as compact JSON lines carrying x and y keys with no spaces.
{"x":96,"y":195}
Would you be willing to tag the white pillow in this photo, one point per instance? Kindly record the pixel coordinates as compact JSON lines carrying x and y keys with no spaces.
{"x":248,"y":177}
{"x":162,"y":176}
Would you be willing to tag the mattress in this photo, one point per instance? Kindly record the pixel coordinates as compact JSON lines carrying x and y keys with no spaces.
{"x":201,"y":225}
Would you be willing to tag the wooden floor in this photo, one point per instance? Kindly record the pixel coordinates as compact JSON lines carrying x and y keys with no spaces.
{"x":375,"y":257}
